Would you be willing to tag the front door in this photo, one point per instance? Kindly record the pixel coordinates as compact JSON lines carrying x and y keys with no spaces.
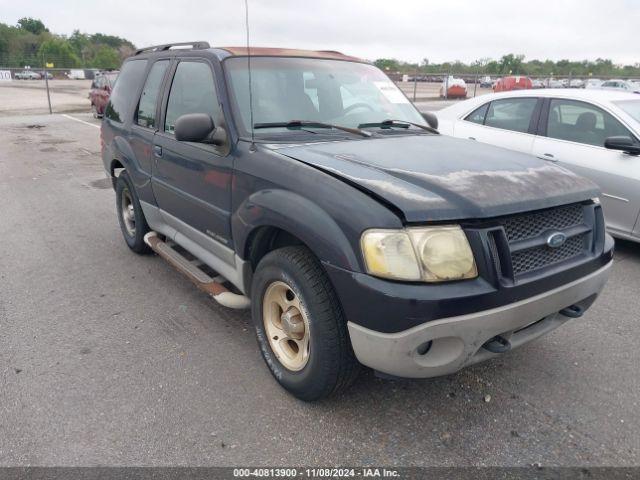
{"x":192,"y":181}
{"x":507,"y":123}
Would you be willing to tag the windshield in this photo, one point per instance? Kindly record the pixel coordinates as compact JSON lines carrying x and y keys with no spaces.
{"x":631,"y":107}
{"x":328,"y":91}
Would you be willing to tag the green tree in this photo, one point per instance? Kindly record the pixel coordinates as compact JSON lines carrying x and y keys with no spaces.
{"x":32,"y":25}
{"x":390,"y":64}
{"x":511,"y":63}
{"x":58,"y":51}
{"x":106,"y":58}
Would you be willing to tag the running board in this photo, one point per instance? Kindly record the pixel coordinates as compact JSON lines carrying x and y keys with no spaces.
{"x":189,"y":268}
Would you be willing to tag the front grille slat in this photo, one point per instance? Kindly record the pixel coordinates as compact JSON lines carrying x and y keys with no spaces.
{"x":534,"y":224}
{"x":530,"y":229}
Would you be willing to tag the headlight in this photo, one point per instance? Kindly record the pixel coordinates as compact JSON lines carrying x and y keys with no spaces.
{"x":430,"y":254}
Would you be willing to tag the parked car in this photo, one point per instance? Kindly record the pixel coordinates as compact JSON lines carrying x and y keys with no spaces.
{"x":101,"y":88}
{"x":486,"y":82}
{"x":623,"y":85}
{"x":517,"y":82}
{"x":76,"y":74}
{"x":355,"y":232}
{"x":27,"y":75}
{"x":537,"y":83}
{"x":593,"y":83}
{"x":594,"y":133}
{"x":453,"y":88}
{"x":576,"y":83}
{"x":553,"y":83}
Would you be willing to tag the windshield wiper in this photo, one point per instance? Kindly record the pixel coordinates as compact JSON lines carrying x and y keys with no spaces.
{"x":298,"y":124}
{"x":397,"y":123}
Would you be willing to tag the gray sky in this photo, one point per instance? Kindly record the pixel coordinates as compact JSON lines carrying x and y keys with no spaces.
{"x":408,"y":29}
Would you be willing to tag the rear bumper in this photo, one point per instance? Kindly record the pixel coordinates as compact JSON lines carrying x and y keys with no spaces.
{"x":457,"y":341}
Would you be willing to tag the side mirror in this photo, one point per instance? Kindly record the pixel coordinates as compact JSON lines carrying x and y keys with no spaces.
{"x":622,"y":143}
{"x":193,"y":127}
{"x":431,"y":119}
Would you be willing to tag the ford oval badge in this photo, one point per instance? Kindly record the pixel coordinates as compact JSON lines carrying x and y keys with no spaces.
{"x":556,"y":239}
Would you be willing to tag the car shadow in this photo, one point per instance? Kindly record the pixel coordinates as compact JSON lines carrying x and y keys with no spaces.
{"x":626,"y":249}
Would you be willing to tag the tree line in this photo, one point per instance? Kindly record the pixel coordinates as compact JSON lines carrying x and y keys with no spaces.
{"x":30,"y":43}
{"x":516,"y":65}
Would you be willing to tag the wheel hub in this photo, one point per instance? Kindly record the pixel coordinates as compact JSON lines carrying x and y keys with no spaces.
{"x":286,"y":325}
{"x":292,"y":323}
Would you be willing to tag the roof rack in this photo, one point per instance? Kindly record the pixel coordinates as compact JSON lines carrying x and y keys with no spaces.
{"x":169,"y":46}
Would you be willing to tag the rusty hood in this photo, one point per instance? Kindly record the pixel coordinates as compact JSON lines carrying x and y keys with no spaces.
{"x":435,"y":178}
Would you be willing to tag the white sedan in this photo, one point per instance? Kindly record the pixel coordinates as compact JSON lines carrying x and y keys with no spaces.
{"x":595,"y":133}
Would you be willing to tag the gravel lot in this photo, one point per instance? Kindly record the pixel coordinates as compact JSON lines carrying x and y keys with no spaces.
{"x":115,"y":359}
{"x":22,"y":97}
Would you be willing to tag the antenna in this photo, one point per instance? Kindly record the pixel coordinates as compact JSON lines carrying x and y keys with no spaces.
{"x":246,"y":20}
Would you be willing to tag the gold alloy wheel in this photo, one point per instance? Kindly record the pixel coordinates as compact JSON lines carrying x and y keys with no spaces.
{"x":286,"y":325}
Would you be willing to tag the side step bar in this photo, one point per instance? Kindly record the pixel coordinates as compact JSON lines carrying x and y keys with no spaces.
{"x":212,"y":286}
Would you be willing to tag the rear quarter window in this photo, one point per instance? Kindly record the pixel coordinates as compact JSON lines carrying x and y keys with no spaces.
{"x":124,"y":96}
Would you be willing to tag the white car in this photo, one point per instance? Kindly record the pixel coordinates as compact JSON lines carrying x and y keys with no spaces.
{"x":593,"y":83}
{"x":595,"y":133}
{"x":624,"y":85}
{"x":553,"y":83}
{"x":76,"y":74}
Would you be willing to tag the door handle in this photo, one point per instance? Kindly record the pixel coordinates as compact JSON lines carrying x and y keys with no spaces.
{"x":548,"y":157}
{"x":157,"y":150}
{"x":472,"y":138}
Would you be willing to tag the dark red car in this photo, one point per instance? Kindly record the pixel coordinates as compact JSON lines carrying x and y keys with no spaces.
{"x":100,"y":90}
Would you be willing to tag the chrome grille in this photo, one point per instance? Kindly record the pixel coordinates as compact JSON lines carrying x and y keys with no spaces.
{"x":531,"y":225}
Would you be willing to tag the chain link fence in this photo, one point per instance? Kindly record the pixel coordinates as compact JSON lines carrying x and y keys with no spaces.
{"x":437,"y":86}
{"x":33,"y":90}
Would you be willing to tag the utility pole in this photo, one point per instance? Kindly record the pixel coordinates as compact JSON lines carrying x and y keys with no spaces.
{"x":46,"y":82}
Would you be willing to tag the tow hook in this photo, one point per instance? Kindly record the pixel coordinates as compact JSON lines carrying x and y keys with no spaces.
{"x":574,"y":311}
{"x":497,"y":344}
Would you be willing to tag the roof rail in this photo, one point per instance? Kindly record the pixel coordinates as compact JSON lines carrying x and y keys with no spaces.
{"x":168,"y":46}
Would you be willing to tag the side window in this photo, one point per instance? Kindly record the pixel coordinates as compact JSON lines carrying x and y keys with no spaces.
{"x":582,"y":123}
{"x":192,"y":91}
{"x":123,"y":97}
{"x":477,"y":116}
{"x":147,"y":106}
{"x":511,"y":114}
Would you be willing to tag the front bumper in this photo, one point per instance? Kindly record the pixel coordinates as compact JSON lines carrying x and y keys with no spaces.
{"x":457,"y":341}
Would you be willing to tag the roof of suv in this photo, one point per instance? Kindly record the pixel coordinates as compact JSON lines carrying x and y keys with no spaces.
{"x":288,"y":52}
{"x":225,"y":52}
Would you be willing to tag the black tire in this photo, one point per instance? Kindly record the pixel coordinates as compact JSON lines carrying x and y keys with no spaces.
{"x":331,"y":366}
{"x":135,"y":239}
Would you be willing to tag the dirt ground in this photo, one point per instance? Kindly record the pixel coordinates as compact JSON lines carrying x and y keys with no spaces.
{"x":24,"y":97}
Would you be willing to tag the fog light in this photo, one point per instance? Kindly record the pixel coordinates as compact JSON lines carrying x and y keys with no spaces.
{"x":424,"y":348}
